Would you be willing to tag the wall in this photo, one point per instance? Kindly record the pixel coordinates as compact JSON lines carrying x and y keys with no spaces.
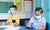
{"x":22,"y":15}
{"x":46,"y":13}
{"x":38,"y":3}
{"x":49,"y":14}
{"x":46,"y":10}
{"x":6,"y":0}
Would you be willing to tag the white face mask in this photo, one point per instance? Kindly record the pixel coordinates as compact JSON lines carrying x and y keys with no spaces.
{"x":37,"y":17}
{"x":11,"y":12}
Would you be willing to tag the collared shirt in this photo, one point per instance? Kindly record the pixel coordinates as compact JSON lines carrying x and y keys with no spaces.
{"x":37,"y":23}
{"x":14,"y":17}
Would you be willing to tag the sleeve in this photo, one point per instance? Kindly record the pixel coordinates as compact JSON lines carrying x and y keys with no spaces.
{"x":44,"y":21}
{"x":31,"y":20}
{"x":18,"y":20}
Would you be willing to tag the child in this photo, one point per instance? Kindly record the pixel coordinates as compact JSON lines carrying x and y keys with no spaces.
{"x":13,"y":18}
{"x":38,"y":22}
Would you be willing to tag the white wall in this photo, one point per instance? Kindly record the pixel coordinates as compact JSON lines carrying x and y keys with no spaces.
{"x":21,"y":15}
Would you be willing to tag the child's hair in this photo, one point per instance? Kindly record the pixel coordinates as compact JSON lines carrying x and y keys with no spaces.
{"x":13,"y":6}
{"x":39,"y":9}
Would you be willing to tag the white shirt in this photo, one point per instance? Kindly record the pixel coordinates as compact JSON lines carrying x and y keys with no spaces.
{"x":37,"y":23}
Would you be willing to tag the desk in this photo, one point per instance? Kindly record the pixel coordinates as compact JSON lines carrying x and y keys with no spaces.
{"x":10,"y":27}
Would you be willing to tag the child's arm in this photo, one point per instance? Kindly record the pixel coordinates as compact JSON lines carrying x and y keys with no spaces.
{"x":27,"y":25}
{"x":44,"y":24}
{"x":8,"y":20}
{"x":30,"y":22}
{"x":18,"y":21}
{"x":5,"y":22}
{"x":40,"y":27}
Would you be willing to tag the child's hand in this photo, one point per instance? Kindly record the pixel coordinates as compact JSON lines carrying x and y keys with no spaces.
{"x":13,"y":24}
{"x":3,"y":23}
{"x":27,"y":25}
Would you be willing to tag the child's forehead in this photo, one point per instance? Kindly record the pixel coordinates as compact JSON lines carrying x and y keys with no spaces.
{"x":38,"y":11}
{"x":12,"y":8}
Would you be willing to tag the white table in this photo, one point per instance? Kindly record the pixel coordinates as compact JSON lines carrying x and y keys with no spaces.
{"x":10,"y":27}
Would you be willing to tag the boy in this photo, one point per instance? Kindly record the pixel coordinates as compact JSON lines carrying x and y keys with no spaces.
{"x":38,"y":22}
{"x":13,"y":18}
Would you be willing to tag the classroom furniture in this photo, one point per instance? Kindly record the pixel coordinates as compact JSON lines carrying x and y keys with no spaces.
{"x":23,"y":23}
{"x":10,"y":27}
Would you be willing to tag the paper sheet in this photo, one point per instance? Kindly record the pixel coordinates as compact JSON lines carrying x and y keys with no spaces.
{"x":10,"y":27}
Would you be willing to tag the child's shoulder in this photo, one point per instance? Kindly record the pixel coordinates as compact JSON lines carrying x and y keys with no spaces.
{"x":32,"y":17}
{"x":43,"y":17}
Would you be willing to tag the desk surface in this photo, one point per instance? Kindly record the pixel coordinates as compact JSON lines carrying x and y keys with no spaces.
{"x":8,"y":27}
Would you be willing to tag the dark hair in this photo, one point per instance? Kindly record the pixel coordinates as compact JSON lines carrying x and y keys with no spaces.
{"x":39,"y":9}
{"x":13,"y":6}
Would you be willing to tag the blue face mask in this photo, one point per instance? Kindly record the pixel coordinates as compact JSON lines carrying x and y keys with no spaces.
{"x":37,"y":17}
{"x":11,"y":12}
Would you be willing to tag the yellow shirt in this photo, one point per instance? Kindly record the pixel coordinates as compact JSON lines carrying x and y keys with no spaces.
{"x":14,"y":17}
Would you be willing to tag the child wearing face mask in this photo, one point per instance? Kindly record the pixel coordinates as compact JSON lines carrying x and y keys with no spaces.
{"x":37,"y":22}
{"x":13,"y":18}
